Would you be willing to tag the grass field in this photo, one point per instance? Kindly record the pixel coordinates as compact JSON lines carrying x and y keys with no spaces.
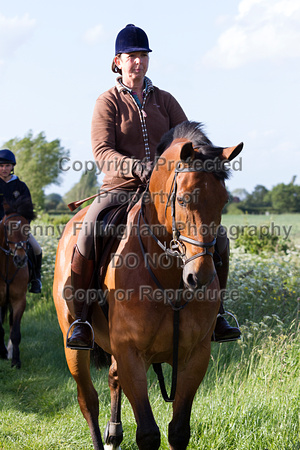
{"x":281,"y":224}
{"x":249,"y":398}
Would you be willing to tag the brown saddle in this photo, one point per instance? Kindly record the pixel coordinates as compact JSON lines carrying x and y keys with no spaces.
{"x":110,"y":230}
{"x":107,"y":233}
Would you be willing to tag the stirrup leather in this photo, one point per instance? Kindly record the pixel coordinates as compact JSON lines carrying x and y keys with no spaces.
{"x":74,"y":347}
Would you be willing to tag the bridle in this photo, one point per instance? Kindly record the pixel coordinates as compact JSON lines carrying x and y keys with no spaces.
{"x":17,"y":245}
{"x":176,"y":247}
{"x":9,"y":252}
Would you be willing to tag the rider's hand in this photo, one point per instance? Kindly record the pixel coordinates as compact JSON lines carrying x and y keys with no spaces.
{"x":142,"y":170}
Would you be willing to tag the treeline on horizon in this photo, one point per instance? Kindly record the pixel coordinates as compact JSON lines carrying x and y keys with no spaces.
{"x":282,"y":198}
{"x":38,"y":166}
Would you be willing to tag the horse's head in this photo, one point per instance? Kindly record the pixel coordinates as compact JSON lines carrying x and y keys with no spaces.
{"x":15,"y":230}
{"x":192,"y":175}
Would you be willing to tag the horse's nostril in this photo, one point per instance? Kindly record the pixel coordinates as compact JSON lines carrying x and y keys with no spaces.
{"x":192,"y":280}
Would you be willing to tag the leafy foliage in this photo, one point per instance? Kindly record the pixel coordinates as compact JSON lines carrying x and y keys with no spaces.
{"x":268,"y":287}
{"x":282,"y":198}
{"x":257,"y":242}
{"x":286,"y":197}
{"x":86,"y":187}
{"x":52,"y":201}
{"x":37,"y":163}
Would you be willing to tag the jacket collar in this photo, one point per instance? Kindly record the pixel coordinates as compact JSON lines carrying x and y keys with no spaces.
{"x":121,"y":87}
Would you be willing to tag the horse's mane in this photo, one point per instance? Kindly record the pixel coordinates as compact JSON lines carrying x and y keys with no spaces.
{"x":193,"y":131}
{"x":21,"y":205}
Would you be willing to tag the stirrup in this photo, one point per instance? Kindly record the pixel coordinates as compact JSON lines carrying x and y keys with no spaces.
{"x":38,"y":283}
{"x":74,"y":347}
{"x":231,"y":339}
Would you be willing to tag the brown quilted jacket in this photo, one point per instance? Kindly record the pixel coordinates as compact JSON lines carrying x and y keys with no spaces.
{"x":120,"y":129}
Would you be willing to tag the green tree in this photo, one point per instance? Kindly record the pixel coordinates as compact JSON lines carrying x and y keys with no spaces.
{"x":240,"y":193}
{"x":286,"y":198}
{"x":87,"y":186}
{"x":52,"y":201}
{"x":258,"y":198}
{"x":37,"y":163}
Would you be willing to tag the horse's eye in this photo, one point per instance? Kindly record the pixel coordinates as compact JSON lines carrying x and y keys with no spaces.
{"x":181,"y":201}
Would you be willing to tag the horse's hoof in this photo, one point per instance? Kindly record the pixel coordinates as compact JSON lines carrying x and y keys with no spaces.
{"x":17,"y":365}
{"x":111,"y":447}
{"x":113,"y":435}
{"x":3,"y":355}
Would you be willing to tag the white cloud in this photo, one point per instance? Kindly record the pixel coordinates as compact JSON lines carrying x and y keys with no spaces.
{"x":94,"y":35}
{"x":13,"y":33}
{"x":262,"y":30}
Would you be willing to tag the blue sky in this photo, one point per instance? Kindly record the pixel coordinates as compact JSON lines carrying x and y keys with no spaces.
{"x":233,"y":65}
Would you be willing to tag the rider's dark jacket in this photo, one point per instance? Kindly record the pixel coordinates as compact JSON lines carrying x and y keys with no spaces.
{"x":11,"y":190}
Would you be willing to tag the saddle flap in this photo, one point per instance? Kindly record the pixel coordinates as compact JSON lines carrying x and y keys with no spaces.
{"x":107,"y":232}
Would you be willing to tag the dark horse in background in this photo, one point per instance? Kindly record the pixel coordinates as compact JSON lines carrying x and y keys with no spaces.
{"x":14,"y":273}
{"x":174,"y":222}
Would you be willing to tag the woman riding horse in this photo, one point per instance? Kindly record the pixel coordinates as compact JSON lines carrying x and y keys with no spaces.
{"x":164,"y":309}
{"x":11,"y":188}
{"x":128,"y":123}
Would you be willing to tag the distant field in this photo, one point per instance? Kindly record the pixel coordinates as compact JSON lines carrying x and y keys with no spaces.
{"x":277,"y":223}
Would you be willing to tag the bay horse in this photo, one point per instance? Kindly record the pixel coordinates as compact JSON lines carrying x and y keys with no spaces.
{"x":14,"y":273}
{"x":170,"y":238}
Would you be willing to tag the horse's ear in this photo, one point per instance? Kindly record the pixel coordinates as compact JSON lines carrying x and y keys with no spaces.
{"x":232,"y":152}
{"x":187,"y":151}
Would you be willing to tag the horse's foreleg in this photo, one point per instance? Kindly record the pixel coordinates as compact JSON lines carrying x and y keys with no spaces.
{"x":15,"y":333}
{"x":188,"y":381}
{"x":3,"y":349}
{"x":133,"y":379}
{"x":79,"y":366}
{"x":113,"y":435}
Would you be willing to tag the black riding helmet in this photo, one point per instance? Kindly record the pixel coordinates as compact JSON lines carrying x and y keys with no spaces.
{"x":7,"y":157}
{"x":130,"y":39}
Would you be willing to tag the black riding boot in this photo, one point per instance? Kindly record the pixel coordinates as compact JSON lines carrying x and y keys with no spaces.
{"x":36,"y":282}
{"x":223,"y":331}
{"x":82,"y":270}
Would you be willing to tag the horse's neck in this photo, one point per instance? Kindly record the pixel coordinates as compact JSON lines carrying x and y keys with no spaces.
{"x":156,"y":219}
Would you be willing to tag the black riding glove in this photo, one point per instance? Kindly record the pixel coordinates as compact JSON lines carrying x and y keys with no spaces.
{"x":142,"y":170}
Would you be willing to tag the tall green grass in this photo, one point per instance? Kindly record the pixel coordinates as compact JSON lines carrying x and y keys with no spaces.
{"x":248,"y":400}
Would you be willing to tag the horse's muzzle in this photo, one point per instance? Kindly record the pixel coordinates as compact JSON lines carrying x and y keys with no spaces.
{"x":20,"y":261}
{"x":198,"y":279}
